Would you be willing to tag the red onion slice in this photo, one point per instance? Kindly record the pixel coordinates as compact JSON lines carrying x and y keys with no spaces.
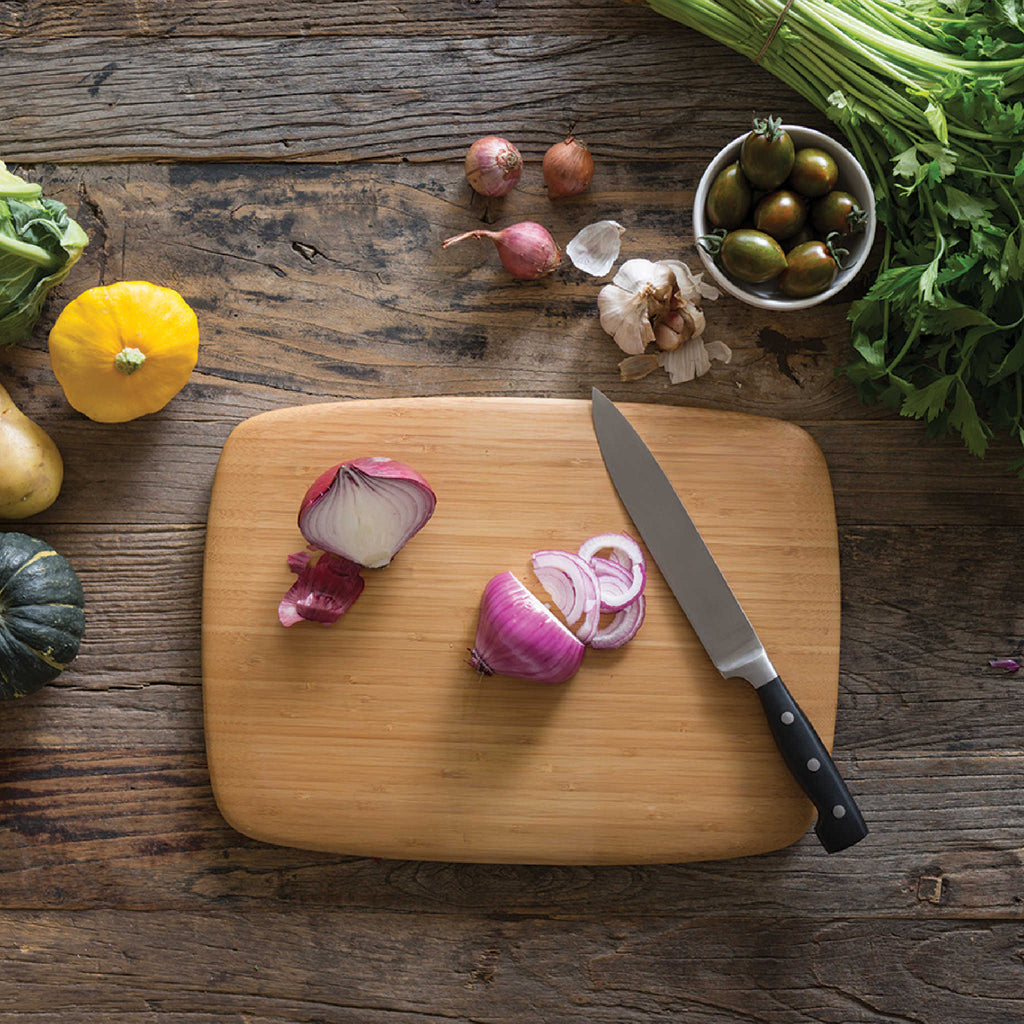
{"x":366,"y":510}
{"x":572,"y":585}
{"x":623,"y":627}
{"x":622,"y":548}
{"x":614,"y":580}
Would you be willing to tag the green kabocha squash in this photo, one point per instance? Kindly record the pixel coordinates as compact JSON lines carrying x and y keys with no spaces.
{"x":42,"y":614}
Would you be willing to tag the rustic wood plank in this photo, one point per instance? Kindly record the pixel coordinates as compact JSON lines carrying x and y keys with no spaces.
{"x":314,"y":283}
{"x":231,"y":19}
{"x":377,"y":97}
{"x":106,"y":828}
{"x":360,"y":968}
{"x":105,"y":798}
{"x":124,"y":897}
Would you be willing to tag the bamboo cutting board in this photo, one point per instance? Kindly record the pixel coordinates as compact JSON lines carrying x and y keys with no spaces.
{"x":374,"y":737}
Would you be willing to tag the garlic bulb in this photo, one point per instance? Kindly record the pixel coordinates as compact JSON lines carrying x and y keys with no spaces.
{"x":638,"y":292}
{"x":659,"y":302}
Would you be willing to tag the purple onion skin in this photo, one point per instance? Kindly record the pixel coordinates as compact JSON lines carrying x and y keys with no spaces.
{"x":324,"y":591}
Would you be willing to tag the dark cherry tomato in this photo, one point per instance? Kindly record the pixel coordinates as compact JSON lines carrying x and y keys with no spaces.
{"x":780,"y":214}
{"x":837,"y":211}
{"x":814,"y":172}
{"x":728,"y":198}
{"x":767,"y":154}
{"x":805,"y":234}
{"x":752,"y":256}
{"x":810,"y":269}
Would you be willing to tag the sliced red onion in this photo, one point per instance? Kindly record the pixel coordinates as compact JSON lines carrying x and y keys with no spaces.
{"x":324,"y":591}
{"x":572,"y":585}
{"x":614,"y":580}
{"x":517,"y":636}
{"x":623,"y":549}
{"x":366,"y":510}
{"x":623,"y":627}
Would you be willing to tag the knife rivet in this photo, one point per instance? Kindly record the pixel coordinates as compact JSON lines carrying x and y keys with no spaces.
{"x":787,"y":718}
{"x":839,"y":811}
{"x":813,"y":765}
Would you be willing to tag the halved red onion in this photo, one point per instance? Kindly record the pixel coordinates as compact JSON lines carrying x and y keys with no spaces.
{"x":324,"y":591}
{"x":623,"y":627}
{"x":623,"y":549}
{"x":572,"y":585}
{"x":366,"y":509}
{"x":517,"y":636}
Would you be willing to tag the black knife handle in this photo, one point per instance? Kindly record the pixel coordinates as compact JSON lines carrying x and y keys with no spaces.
{"x":839,"y":822}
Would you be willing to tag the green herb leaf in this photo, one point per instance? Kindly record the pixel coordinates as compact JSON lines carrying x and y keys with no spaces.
{"x":39,"y":244}
{"x":929,"y":95}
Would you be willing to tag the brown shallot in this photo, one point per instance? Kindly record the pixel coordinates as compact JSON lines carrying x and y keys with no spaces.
{"x":568,"y":168}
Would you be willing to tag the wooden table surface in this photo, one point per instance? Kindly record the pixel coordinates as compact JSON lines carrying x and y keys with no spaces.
{"x":291,"y":169}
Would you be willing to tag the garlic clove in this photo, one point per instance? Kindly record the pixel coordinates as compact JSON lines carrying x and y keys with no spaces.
{"x":696,"y":317}
{"x":595,"y":248}
{"x":667,"y":339}
{"x":686,"y":320}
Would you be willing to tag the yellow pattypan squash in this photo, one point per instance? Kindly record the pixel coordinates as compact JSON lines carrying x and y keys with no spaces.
{"x":124,"y":350}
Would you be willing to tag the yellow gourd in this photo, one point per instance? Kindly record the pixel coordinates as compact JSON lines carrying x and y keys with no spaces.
{"x":124,"y":350}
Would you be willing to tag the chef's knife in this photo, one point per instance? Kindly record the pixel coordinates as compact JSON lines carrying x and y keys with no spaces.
{"x":719,"y":621}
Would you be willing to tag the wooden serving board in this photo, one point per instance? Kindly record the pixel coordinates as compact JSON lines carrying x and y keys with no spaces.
{"x":374,"y":737}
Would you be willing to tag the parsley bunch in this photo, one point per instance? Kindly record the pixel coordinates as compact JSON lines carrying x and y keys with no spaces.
{"x":931,"y":98}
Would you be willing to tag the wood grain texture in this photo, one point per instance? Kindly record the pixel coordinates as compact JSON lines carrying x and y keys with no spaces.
{"x":310,"y":165}
{"x":373,"y":737}
{"x":326,"y":100}
{"x":314,"y":18}
{"x":314,"y":283}
{"x":358,"y":967}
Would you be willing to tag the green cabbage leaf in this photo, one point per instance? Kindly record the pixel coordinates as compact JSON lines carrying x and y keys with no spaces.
{"x":39,"y":244}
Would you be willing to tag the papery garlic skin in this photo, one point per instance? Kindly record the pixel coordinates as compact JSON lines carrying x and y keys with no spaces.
{"x":691,"y":286}
{"x":693,"y":359}
{"x":595,"y":248}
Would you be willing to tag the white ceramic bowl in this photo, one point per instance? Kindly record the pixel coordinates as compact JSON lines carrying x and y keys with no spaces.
{"x":851,"y":178}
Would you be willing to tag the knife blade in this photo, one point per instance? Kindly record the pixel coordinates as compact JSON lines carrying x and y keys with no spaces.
{"x":718,"y":620}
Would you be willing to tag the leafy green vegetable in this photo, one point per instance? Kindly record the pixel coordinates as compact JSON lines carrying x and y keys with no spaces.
{"x":39,"y":244}
{"x":931,"y":97}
